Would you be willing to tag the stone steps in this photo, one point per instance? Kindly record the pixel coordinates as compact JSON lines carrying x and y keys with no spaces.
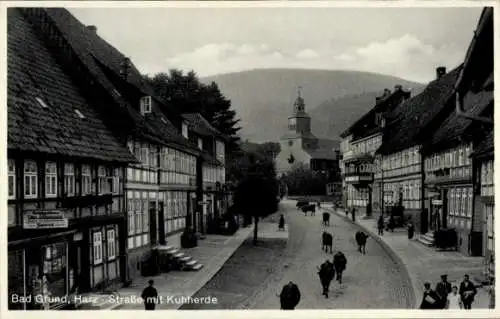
{"x":427,"y":239}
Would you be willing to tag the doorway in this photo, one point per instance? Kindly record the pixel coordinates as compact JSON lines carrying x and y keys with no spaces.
{"x":153,"y":230}
{"x":161,"y":223}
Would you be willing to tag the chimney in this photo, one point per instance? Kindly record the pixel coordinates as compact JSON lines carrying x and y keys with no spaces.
{"x":387,"y":92}
{"x":440,"y":71}
{"x":92,"y":28}
{"x":398,"y":87}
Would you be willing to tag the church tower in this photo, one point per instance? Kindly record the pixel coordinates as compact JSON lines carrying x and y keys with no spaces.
{"x":299,"y":122}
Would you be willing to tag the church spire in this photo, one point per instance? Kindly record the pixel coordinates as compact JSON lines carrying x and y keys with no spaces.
{"x":299,"y":105}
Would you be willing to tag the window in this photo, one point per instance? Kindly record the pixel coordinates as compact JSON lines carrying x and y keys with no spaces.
{"x":184,"y":130}
{"x":97,"y":247}
{"x":131,"y":216}
{"x":86,"y":180}
{"x":461,"y":156}
{"x":103,"y":180}
{"x":138,"y":217}
{"x":30,"y":179}
{"x":42,"y":103}
{"x":145,"y":155}
{"x":12,"y":179}
{"x":452,"y":202}
{"x":115,"y":182}
{"x":69,"y":179}
{"x":464,"y":202}
{"x":111,"y":242}
{"x":146,"y":104}
{"x":145,"y":223}
{"x":469,"y":202}
{"x":50,"y":179}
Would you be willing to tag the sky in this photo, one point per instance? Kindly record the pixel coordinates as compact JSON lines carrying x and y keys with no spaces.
{"x":404,"y":42}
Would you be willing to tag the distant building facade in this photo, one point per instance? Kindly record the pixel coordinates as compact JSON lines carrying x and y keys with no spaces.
{"x":358,"y":146}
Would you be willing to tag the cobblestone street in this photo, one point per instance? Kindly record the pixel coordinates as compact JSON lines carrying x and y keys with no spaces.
{"x":254,"y":275}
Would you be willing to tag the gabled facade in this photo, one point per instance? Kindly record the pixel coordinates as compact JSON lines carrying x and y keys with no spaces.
{"x":66,"y":203}
{"x":159,"y":190}
{"x":358,"y":146}
{"x":408,"y":126}
{"x":453,"y":181}
{"x":211,"y":143}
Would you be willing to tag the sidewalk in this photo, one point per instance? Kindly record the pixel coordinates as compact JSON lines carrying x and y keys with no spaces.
{"x":425,"y":264}
{"x":212,"y":252}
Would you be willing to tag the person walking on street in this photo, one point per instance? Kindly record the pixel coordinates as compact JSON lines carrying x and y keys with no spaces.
{"x":353,"y":212}
{"x":453,"y":299}
{"x":380,"y":225}
{"x":290,"y":296}
{"x":467,"y":292}
{"x":150,"y":296}
{"x":281,"y":223}
{"x":411,"y":230}
{"x":430,"y":299}
{"x":443,"y":289}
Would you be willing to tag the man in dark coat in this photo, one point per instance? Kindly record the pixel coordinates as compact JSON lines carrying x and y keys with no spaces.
{"x":290,"y":296}
{"x":281,"y":224}
{"x":431,"y":299}
{"x":339,"y":263}
{"x":326,"y":274}
{"x":150,"y":296}
{"x":467,"y":292}
{"x":443,"y":288}
{"x":380,"y":225}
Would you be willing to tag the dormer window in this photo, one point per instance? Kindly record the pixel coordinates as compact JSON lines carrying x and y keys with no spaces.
{"x":200,"y":143}
{"x":80,"y":115}
{"x":382,"y":122}
{"x":42,"y":103}
{"x":184,"y":130}
{"x":146,"y":105}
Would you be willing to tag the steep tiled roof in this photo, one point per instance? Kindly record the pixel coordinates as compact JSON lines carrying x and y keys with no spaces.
{"x":455,"y":125}
{"x":321,"y":153}
{"x":200,"y":125}
{"x":34,"y":74}
{"x":486,"y":145}
{"x":104,"y":62}
{"x":366,"y":125}
{"x":291,"y":135}
{"x":327,"y":143}
{"x":409,"y":119}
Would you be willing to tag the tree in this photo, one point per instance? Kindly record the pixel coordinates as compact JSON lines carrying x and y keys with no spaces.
{"x":188,"y":95}
{"x":303,"y":181}
{"x":257,"y":190}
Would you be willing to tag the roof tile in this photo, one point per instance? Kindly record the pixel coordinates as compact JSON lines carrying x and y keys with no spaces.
{"x":34,"y":73}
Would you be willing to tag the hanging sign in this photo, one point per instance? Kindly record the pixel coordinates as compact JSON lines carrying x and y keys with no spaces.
{"x":44,"y":219}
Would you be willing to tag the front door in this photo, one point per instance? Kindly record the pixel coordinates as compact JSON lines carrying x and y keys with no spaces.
{"x":161,"y":223}
{"x":153,"y":230}
{"x":444,"y":209}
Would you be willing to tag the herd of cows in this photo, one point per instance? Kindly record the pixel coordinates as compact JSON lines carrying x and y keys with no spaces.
{"x":328,"y":270}
{"x":326,"y":237}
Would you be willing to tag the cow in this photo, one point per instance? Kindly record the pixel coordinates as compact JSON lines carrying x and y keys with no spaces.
{"x":309,"y":208}
{"x":326,"y":274}
{"x":301,"y":203}
{"x":326,"y":218}
{"x":361,"y":238}
{"x":339,"y":263}
{"x":326,"y":242}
